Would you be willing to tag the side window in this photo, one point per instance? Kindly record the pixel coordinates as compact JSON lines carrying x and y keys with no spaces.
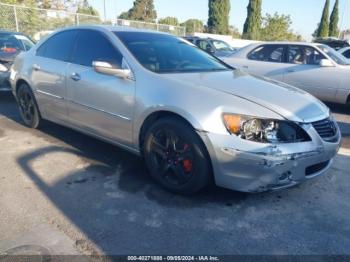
{"x":92,"y":46}
{"x":59,"y":46}
{"x":303,"y":55}
{"x":347,"y":54}
{"x":268,"y":53}
{"x":296,"y":55}
{"x":312,"y":56}
{"x":202,"y":44}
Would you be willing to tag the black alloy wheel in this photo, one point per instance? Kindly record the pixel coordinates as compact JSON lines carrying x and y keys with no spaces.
{"x":176,"y":156}
{"x":27,"y":106}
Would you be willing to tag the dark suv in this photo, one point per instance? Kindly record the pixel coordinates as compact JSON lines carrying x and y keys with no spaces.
{"x":11,"y":44}
{"x":215,"y":47}
{"x":335,"y":43}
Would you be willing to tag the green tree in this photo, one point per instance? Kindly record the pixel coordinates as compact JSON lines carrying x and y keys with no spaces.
{"x":143,"y":10}
{"x":333,"y":25}
{"x":252,"y":25}
{"x":193,"y":26}
{"x":219,"y":12}
{"x":169,"y":21}
{"x":323,"y":29}
{"x":278,"y":28}
{"x":86,"y":8}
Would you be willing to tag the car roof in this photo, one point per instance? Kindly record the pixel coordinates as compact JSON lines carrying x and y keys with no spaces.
{"x":113,"y":28}
{"x":242,"y":52}
{"x":286,"y":43}
{"x":10,"y":32}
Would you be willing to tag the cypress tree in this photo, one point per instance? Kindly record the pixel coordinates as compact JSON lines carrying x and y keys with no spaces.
{"x":323,"y":30}
{"x":333,"y":25}
{"x":252,"y":24}
{"x":219,"y":13}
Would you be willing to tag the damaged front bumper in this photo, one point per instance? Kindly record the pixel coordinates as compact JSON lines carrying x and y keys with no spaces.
{"x":252,"y":167}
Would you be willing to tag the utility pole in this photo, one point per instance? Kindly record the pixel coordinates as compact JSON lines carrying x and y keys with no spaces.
{"x":104,"y":9}
{"x":342,"y":18}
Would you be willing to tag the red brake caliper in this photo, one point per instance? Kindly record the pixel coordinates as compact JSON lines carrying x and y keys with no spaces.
{"x":187,"y":164}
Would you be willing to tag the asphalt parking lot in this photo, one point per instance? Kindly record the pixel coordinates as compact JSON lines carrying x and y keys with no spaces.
{"x":68,"y":193}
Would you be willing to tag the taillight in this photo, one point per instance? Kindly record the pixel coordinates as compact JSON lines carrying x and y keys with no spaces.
{"x":9,"y":50}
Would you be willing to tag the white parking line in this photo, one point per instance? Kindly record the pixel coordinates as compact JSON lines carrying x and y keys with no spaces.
{"x":344,"y":151}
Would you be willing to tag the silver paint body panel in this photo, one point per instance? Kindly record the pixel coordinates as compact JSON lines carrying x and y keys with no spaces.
{"x":115,"y":109}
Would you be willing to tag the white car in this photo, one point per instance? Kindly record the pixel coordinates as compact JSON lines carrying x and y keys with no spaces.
{"x":315,"y":68}
{"x":345,"y":52}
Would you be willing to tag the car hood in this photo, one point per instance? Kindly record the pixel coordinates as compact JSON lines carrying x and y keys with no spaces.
{"x":289,"y":102}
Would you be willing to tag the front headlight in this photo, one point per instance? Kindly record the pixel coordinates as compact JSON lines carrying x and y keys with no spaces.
{"x":3,"y":68}
{"x":264,"y":130}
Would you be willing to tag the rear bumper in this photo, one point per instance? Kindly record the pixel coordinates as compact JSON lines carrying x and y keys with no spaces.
{"x":268,"y":167}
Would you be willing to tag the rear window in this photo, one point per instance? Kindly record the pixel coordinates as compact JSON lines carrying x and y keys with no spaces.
{"x":268,"y":53}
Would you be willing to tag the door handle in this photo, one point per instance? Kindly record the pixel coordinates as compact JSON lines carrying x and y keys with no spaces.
{"x":36,"y":67}
{"x":245,"y":67}
{"x":291,"y":70}
{"x":75,"y":76}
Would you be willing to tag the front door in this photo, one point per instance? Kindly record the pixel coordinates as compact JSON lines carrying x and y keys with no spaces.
{"x":102,"y":104}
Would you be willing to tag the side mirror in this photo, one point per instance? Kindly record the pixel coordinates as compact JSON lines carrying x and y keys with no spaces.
{"x":326,"y":63}
{"x":109,"y":69}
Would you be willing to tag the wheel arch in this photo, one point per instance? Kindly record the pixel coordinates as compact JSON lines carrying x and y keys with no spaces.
{"x":21,"y":81}
{"x":156,"y":116}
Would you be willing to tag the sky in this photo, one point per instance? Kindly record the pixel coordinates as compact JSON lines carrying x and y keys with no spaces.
{"x":305,"y":14}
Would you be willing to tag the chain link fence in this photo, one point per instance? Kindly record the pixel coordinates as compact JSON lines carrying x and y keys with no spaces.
{"x":39,"y":22}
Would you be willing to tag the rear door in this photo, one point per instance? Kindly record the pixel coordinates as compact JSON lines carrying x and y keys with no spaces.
{"x":48,"y":74}
{"x":304,"y":71}
{"x":266,"y":60}
{"x":99,"y":103}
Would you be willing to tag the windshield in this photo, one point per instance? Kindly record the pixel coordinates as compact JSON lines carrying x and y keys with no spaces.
{"x":222,"y":46}
{"x":163,"y":53}
{"x":14,"y":43}
{"x":337,"y":57}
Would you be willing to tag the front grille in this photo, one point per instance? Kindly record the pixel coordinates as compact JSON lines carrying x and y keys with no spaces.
{"x":311,"y":170}
{"x":325,"y":128}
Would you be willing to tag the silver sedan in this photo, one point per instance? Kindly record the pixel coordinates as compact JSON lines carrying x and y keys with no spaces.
{"x":315,"y":68}
{"x":193,"y":118}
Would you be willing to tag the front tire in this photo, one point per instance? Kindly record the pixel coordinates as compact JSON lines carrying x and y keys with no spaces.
{"x":28,"y":107}
{"x":176,"y":156}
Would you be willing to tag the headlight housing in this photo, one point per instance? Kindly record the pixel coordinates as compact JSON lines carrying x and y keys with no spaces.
{"x":264,"y":130}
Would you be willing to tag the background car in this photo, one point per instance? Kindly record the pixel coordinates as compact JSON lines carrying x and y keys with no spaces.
{"x":335,"y":43}
{"x":315,"y":68}
{"x":215,"y":47}
{"x":11,"y":44}
{"x":345,"y":52}
{"x":193,"y":118}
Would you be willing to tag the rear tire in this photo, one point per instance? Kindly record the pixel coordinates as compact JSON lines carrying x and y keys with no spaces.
{"x":28,"y":107}
{"x":176,"y":156}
